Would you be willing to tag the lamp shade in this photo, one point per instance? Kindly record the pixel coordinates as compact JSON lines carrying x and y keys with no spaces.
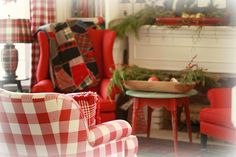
{"x":15,"y":31}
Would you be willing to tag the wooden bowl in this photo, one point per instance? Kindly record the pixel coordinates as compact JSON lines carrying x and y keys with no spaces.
{"x":159,"y":86}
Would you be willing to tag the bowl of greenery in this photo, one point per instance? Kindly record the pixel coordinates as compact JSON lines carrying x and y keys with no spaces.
{"x":193,"y":74}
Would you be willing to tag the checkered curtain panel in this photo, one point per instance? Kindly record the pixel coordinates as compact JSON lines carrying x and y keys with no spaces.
{"x":41,"y":12}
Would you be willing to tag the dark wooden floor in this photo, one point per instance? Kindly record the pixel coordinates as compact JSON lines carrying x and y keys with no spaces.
{"x":164,"y":148}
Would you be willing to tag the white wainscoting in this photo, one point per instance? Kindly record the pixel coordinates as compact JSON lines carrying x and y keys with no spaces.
{"x":165,"y":48}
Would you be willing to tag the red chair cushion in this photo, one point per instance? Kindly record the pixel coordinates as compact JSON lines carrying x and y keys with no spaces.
{"x":107,"y":105}
{"x":217,"y":116}
{"x":107,"y":116}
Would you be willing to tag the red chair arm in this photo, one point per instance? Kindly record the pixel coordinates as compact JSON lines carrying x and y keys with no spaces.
{"x":43,"y":86}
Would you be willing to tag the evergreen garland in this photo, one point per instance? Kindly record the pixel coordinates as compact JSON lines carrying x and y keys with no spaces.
{"x":132,"y":23}
{"x":148,"y":15}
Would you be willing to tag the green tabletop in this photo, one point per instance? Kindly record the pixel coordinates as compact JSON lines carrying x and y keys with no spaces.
{"x":144,"y":94}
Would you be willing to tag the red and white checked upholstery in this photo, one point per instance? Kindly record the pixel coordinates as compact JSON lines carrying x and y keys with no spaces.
{"x":52,"y":124}
{"x":105,"y":132}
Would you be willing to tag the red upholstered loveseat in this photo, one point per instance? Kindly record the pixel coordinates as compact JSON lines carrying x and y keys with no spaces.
{"x":102,"y":41}
{"x":216,"y":121}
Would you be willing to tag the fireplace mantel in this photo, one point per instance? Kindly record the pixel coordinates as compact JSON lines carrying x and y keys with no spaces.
{"x":165,"y":48}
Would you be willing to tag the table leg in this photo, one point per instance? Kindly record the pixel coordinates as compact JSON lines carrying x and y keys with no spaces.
{"x":134,"y":115}
{"x":149,"y":120}
{"x":188,"y":120}
{"x":174,"y":124}
{"x":19,"y":86}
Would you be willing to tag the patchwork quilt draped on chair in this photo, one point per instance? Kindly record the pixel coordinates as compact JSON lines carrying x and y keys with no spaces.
{"x":72,"y":59}
{"x":52,"y":124}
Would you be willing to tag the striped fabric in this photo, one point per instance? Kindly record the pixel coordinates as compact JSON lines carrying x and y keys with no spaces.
{"x":52,"y":124}
{"x":15,"y":31}
{"x":41,"y":12}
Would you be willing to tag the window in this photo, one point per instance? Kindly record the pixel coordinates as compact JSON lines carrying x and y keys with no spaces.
{"x":18,"y":9}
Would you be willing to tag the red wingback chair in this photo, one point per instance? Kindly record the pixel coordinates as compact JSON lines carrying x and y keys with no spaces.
{"x":102,"y":41}
{"x":216,"y":121}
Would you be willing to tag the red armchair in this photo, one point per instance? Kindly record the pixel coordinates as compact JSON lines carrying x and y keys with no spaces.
{"x":102,"y":41}
{"x":216,"y":121}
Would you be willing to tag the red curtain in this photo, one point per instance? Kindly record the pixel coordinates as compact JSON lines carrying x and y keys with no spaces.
{"x":41,"y":12}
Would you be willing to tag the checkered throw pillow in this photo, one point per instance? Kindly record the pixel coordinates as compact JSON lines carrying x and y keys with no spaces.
{"x":89,"y":104}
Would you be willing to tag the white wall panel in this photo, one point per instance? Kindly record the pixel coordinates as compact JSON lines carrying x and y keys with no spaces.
{"x":171,"y":49}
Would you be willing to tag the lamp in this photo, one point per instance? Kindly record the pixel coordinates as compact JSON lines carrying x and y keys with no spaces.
{"x":13,"y":31}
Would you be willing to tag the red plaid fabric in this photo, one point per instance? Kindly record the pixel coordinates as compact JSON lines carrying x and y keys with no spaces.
{"x":69,"y":71}
{"x":9,"y":59}
{"x":88,"y":102}
{"x":84,"y":42}
{"x":89,"y":56}
{"x":41,"y":12}
{"x":52,"y":124}
{"x":15,"y":31}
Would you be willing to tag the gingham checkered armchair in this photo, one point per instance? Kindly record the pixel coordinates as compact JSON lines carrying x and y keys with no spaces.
{"x":55,"y":125}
